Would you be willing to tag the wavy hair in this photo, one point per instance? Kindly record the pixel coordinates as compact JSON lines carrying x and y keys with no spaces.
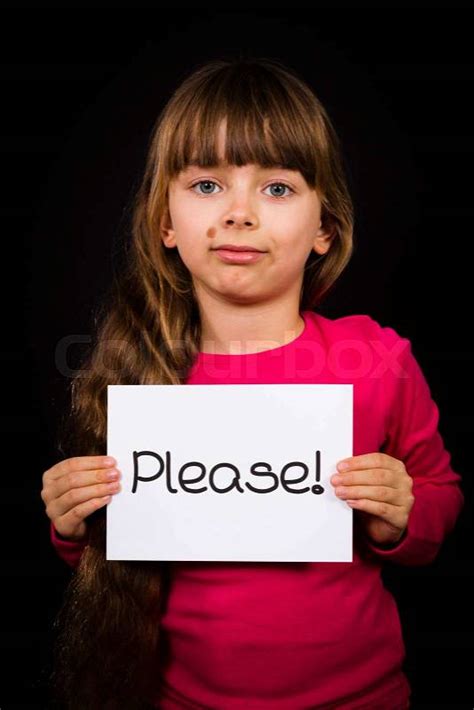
{"x":109,"y":650}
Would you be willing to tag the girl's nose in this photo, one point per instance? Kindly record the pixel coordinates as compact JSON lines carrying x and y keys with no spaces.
{"x":246,"y":222}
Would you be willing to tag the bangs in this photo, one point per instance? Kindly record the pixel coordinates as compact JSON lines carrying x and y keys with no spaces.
{"x":255,"y":119}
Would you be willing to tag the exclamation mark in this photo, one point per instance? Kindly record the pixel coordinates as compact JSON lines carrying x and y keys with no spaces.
{"x":317,"y":488}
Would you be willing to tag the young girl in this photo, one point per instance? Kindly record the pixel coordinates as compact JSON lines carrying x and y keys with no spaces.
{"x":242,"y":224}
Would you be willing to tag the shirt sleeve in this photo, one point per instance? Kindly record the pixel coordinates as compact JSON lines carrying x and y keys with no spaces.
{"x":68,"y":550}
{"x":413,"y":437}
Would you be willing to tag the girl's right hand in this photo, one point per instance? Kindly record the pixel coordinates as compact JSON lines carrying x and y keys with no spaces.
{"x":74,"y":488}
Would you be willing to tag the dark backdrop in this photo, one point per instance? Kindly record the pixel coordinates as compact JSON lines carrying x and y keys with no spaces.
{"x":80,"y":90}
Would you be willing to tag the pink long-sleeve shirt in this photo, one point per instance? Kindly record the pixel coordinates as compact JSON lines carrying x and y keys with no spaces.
{"x":320,"y":635}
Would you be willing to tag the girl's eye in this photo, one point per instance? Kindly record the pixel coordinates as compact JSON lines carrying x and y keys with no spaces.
{"x":281,"y":184}
{"x":203,"y":182}
{"x":211,"y":182}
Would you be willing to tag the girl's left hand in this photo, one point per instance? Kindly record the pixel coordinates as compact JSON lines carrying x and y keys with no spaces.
{"x":379,"y":486}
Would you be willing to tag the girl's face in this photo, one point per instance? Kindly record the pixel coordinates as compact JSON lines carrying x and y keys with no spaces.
{"x":271,"y":209}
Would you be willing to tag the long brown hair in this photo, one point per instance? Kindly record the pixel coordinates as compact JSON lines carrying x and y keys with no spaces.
{"x":109,"y":647}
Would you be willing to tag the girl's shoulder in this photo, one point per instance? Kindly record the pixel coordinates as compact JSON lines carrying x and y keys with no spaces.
{"x":360,"y":327}
{"x":374,"y":351}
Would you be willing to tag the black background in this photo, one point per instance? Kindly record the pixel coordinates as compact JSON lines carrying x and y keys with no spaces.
{"x":81,"y":89}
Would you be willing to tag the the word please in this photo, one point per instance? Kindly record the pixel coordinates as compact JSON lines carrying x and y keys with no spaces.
{"x":165,"y":473}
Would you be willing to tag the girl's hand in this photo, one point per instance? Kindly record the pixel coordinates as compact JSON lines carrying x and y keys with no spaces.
{"x":74,"y":488}
{"x":379,"y":486}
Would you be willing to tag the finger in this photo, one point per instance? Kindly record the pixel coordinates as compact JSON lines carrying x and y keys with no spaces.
{"x":75,"y":497}
{"x":78,"y":479}
{"x":71,"y":519}
{"x":79,"y":463}
{"x":392,"y":514}
{"x":370,"y":476}
{"x":383,"y":494}
{"x":373,"y":460}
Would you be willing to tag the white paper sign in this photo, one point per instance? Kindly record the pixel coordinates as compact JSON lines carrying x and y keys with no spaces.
{"x":229,"y":472}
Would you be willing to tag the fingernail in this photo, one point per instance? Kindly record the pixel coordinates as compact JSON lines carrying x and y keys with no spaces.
{"x":343,"y":466}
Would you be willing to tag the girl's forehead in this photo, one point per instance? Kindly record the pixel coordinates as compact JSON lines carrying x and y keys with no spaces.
{"x":251,"y":153}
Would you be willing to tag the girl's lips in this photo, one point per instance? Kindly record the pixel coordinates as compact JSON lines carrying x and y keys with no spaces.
{"x":238,"y":257}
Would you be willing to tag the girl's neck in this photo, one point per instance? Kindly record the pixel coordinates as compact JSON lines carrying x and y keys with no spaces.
{"x":244,"y":333}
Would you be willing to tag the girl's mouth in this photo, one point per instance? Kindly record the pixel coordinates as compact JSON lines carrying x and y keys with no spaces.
{"x":238,"y":257}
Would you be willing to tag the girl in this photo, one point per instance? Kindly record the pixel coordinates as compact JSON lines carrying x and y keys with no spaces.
{"x":242,"y":224}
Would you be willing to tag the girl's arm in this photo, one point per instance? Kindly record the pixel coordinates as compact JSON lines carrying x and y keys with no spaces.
{"x":413,"y":437}
{"x":69,"y":550}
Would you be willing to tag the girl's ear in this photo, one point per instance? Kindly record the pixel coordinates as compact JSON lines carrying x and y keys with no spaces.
{"x":323,"y":240}
{"x":167,"y":231}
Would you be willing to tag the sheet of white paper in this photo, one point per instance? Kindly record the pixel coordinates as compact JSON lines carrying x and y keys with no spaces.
{"x":193,"y":457}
